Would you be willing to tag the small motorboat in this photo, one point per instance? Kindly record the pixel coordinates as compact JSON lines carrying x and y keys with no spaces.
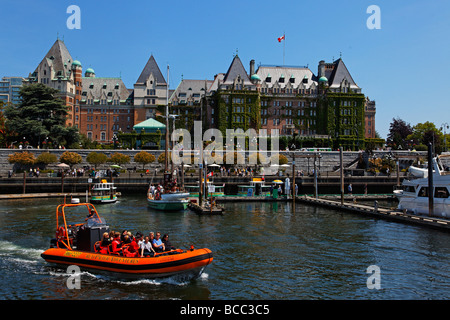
{"x":167,"y":201}
{"x":76,"y":244}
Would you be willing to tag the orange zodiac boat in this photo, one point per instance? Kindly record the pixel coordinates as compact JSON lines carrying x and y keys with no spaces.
{"x":76,"y":245}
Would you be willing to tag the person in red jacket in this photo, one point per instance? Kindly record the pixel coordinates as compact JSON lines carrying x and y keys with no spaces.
{"x":116,"y":244}
{"x":132,"y":249}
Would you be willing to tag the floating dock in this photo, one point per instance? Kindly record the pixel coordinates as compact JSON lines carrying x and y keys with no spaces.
{"x":384,"y":213}
{"x":205,"y":210}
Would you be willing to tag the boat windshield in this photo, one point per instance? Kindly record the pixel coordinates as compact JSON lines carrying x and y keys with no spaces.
{"x":92,"y":222}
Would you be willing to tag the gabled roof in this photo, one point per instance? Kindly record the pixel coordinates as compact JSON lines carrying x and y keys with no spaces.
{"x":151,"y":68}
{"x":297,"y":74}
{"x":190,"y":87}
{"x":338,"y":74}
{"x":97,"y":87}
{"x":235,"y":70}
{"x":58,"y":57}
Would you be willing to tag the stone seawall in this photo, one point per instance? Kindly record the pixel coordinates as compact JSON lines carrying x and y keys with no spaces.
{"x":328,"y":162}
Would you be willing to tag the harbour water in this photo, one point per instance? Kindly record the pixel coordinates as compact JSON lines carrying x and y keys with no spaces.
{"x":262,"y":251}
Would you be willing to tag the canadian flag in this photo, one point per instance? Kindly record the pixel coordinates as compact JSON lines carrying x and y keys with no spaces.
{"x":210,"y":174}
{"x":281,"y":38}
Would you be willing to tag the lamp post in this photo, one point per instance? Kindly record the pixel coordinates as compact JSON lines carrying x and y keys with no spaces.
{"x":443,"y":127}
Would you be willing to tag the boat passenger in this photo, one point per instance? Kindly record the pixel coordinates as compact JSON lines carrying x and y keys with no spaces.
{"x":151,"y":236}
{"x":122,"y":236}
{"x":132,"y":249}
{"x":158,"y":246}
{"x":105,"y":243}
{"x":116,"y":244}
{"x":167,"y":245}
{"x":146,"y":248}
{"x":90,"y":215}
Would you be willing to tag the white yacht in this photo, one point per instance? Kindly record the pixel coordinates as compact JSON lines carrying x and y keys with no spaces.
{"x":414,"y":194}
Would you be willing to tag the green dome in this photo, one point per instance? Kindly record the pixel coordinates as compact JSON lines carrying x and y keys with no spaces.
{"x":255,"y":77}
{"x":323,"y":79}
{"x":90,"y":70}
{"x":76,"y":63}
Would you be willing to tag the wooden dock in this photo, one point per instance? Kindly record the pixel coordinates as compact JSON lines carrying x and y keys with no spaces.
{"x":383,"y":213}
{"x":25,"y":196}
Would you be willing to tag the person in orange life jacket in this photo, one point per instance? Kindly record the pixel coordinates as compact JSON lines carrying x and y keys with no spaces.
{"x":133,"y":248}
{"x":146,"y":248}
{"x":158,"y":246}
{"x":105,"y":243}
{"x":128,"y":249}
{"x":116,"y":244}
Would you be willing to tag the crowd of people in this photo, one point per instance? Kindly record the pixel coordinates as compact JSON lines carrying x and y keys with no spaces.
{"x":127,"y":245}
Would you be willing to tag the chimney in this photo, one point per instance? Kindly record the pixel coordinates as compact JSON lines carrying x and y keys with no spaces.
{"x":252,"y":67}
{"x":321,"y":71}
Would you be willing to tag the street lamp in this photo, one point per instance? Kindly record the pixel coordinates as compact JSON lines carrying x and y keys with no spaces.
{"x":445,"y":126}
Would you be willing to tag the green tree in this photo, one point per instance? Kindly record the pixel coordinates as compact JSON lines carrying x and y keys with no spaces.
{"x":119,"y":158}
{"x":70,"y":158}
{"x":46,"y":158}
{"x":95,"y":158}
{"x":144,"y":158}
{"x":424,"y":133}
{"x":40,"y":115}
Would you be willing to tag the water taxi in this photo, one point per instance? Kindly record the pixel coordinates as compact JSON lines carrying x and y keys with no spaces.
{"x":257,"y":187}
{"x":77,"y":244}
{"x":103,"y":192}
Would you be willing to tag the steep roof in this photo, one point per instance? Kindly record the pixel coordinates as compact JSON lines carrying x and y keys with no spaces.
{"x":108,"y":88}
{"x":58,"y":57}
{"x":297,"y":74}
{"x":190,"y":87}
{"x":235,"y":70}
{"x":338,"y":74}
{"x":151,"y":68}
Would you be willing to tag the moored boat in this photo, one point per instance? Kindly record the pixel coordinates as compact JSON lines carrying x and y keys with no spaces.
{"x":413,"y":196}
{"x":172,"y":201}
{"x":76,"y":244}
{"x":257,"y":187}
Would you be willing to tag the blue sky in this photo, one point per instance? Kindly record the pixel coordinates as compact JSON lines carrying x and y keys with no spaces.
{"x":401,"y":66}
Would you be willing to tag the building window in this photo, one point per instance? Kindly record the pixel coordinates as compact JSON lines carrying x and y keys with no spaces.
{"x":103,"y":136}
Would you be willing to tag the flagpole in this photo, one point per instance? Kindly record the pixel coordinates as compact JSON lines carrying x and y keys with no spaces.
{"x":284,"y":46}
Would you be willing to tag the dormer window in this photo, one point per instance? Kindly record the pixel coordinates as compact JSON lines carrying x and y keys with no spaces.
{"x":292,"y":79}
{"x":268,"y":78}
{"x":281,"y":80}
